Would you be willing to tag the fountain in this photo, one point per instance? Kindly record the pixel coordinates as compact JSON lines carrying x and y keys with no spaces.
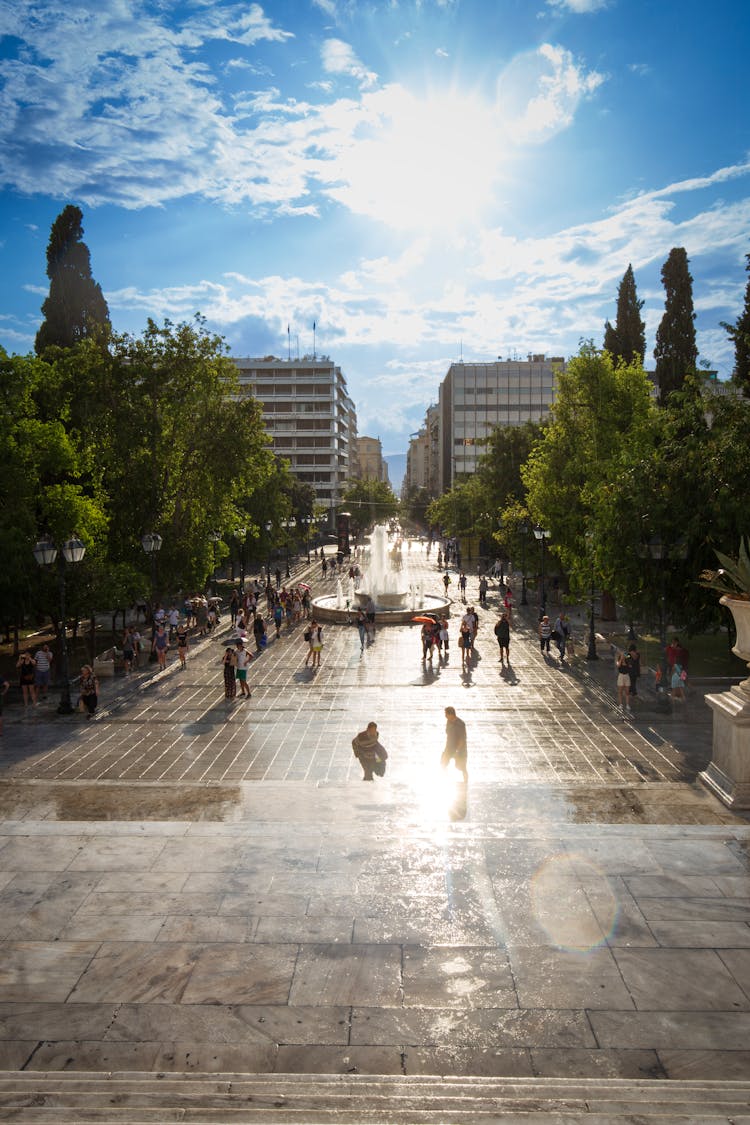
{"x":395,"y":601}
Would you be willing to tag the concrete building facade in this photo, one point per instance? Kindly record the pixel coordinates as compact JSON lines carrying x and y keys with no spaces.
{"x":310,"y":418}
{"x":371,"y":465}
{"x":475,"y":398}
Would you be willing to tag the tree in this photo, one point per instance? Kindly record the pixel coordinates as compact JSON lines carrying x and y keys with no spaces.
{"x":600,"y":420}
{"x":75,"y":308}
{"x":739,"y":333}
{"x":414,"y":504}
{"x":676,"y":352}
{"x":371,"y":502}
{"x":627,"y":340}
{"x":499,"y":469}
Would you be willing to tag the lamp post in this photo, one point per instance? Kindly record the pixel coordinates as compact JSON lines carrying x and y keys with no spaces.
{"x":288,"y":526}
{"x":542,"y":535}
{"x":151,"y":543}
{"x":215,"y":537}
{"x":592,"y":654}
{"x":269,"y":529}
{"x":524,"y":529}
{"x":45,"y":553}
{"x":240,"y":535}
{"x":306,"y":522}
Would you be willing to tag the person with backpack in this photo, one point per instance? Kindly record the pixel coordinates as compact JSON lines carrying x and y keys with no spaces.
{"x":502,"y":632}
{"x":561,"y":629}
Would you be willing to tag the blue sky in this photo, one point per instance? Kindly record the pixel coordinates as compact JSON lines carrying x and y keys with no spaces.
{"x":424,"y":179}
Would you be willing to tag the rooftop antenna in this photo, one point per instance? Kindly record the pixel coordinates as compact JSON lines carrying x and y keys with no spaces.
{"x":297,"y":339}
{"x":314,"y":355}
{"x":288,"y":344}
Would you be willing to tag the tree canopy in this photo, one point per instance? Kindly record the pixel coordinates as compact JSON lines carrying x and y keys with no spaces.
{"x":370,"y":502}
{"x":739,"y":333}
{"x":75,"y":308}
{"x":627,"y":339}
{"x":676,"y":351}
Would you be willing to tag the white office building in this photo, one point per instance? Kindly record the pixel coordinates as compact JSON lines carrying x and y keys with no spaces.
{"x":476,"y":398}
{"x":310,"y":418}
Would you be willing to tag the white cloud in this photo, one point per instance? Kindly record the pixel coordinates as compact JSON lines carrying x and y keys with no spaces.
{"x":338,"y":57}
{"x":579,"y":7}
{"x":539,"y":92}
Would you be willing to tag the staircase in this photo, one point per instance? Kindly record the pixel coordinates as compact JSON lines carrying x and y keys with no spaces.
{"x":36,"y":1097}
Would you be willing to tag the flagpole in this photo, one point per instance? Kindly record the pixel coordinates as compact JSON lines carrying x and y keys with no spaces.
{"x":314,"y":355}
{"x":288,"y":344}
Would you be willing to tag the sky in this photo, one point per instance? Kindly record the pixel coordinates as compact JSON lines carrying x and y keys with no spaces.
{"x":423,"y":180}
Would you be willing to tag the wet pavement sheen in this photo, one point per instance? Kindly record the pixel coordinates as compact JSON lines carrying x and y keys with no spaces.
{"x":187,"y":883}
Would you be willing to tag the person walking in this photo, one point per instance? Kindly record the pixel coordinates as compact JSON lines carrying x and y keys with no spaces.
{"x":26,"y":666}
{"x":230,"y":668}
{"x":508,"y":603}
{"x":315,"y":639}
{"x":43,"y":658}
{"x":362,"y":628}
{"x":369,"y":752}
{"x":259,"y":632}
{"x":483,"y":585}
{"x":561,"y":629}
{"x":462,"y":585}
{"x":182,"y":645}
{"x":446,"y":582}
{"x":159,"y":645}
{"x":502,"y":632}
{"x":242,"y":659}
{"x":545,"y":634}
{"x":427,"y":641}
{"x":128,"y":650}
{"x":455,"y":743}
{"x":88,"y":686}
{"x":623,"y":681}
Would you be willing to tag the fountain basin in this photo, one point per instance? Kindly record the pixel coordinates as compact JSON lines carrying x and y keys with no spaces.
{"x":326,"y":609}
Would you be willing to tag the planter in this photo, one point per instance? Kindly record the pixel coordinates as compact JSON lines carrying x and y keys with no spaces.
{"x":728,"y":774}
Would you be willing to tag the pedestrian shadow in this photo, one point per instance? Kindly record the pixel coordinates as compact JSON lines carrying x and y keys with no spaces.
{"x":457,"y":808}
{"x":508,"y":673}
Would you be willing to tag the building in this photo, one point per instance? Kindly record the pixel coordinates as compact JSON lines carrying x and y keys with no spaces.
{"x":310,"y":418}
{"x":476,"y":398}
{"x":423,"y":455}
{"x":371,"y":465}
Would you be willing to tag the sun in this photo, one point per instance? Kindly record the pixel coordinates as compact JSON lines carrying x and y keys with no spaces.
{"x":426,"y":163}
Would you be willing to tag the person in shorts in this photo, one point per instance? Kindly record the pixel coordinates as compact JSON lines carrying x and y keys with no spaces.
{"x":43,"y":658}
{"x":242,"y":657}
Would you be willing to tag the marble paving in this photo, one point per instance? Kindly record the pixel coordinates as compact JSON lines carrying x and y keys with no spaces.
{"x":190,"y":884}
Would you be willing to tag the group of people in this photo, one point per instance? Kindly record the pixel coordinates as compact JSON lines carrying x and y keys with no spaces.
{"x":34,"y":671}
{"x":372,"y":755}
{"x":559,"y":631}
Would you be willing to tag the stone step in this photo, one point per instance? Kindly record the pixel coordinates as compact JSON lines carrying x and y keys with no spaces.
{"x":36,"y":1097}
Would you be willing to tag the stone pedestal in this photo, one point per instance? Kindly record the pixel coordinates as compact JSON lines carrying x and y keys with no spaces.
{"x":728,"y":774}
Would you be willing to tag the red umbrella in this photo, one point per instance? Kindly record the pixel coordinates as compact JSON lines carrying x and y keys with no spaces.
{"x":423,"y":620}
{"x":303,"y":586}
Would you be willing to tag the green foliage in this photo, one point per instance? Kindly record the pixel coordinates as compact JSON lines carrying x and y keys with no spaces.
{"x":75,"y":308}
{"x":370,"y":502}
{"x":499,"y":469}
{"x":461,"y":510}
{"x":627,"y":340}
{"x":676,"y":352}
{"x":739,"y":333}
{"x":733,"y":577}
{"x":414,"y":504}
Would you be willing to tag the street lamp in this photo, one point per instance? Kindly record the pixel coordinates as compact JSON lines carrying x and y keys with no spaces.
{"x":288,"y":526}
{"x":45,"y":553}
{"x":151,"y":543}
{"x":240,"y":535}
{"x":215,"y":537}
{"x":592,"y":654}
{"x":307,"y":521}
{"x":269,"y":529}
{"x":523,"y":527}
{"x":542,"y":535}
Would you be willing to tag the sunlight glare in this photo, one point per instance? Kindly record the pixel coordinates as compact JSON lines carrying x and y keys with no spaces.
{"x":433,"y":164}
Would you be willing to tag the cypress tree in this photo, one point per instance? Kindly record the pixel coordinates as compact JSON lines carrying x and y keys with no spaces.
{"x":75,"y":308}
{"x":628,"y":336}
{"x":739,"y":333}
{"x":676,"y":351}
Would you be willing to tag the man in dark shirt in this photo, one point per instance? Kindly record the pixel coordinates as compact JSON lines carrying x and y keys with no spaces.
{"x":455,"y":742}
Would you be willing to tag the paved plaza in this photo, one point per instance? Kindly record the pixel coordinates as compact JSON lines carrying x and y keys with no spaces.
{"x":188,"y":884}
